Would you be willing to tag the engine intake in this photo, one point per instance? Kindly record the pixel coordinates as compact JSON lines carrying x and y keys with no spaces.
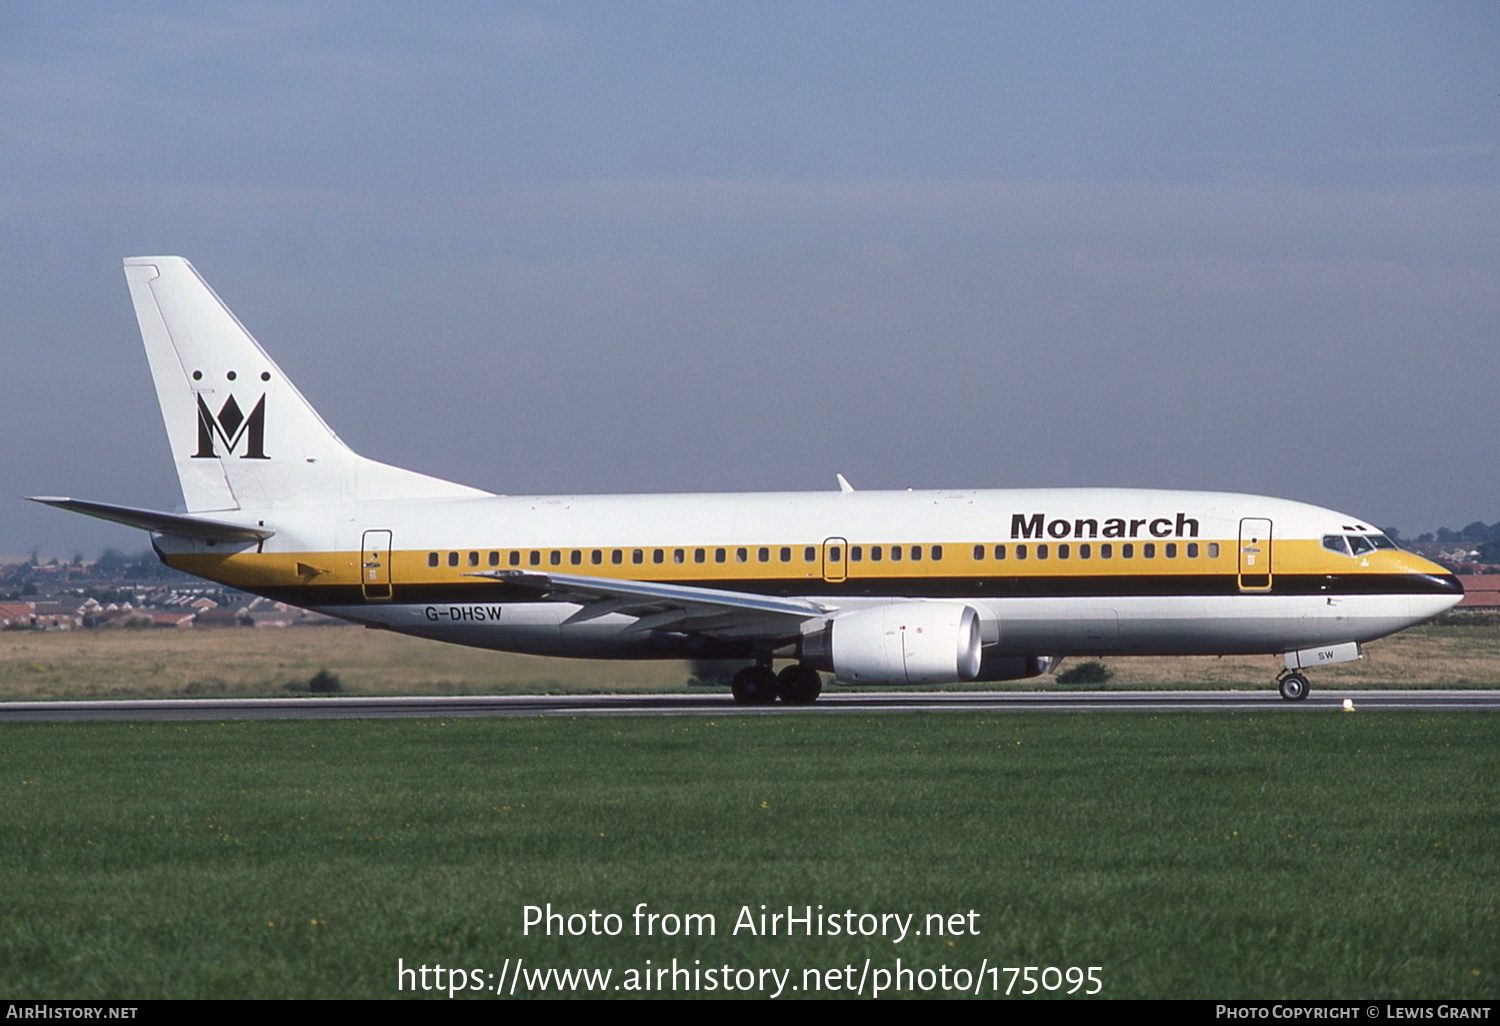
{"x":906,"y":643}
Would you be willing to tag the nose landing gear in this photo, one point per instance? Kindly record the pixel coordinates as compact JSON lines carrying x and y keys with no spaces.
{"x":1292,"y":685}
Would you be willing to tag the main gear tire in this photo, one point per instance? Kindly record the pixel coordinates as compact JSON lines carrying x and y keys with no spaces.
{"x":754,"y":685}
{"x":799,"y":684}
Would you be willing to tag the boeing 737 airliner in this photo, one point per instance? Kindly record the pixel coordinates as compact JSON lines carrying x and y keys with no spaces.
{"x":910,"y":587}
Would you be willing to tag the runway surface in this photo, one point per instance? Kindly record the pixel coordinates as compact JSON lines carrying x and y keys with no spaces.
{"x":720,"y":704}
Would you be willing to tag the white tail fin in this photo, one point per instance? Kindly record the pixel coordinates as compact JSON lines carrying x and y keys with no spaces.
{"x":242,"y":435}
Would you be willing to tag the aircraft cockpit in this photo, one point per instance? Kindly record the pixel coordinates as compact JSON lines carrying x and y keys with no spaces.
{"x":1357,"y":544}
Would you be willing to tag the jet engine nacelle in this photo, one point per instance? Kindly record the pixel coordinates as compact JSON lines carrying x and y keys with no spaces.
{"x":906,"y":643}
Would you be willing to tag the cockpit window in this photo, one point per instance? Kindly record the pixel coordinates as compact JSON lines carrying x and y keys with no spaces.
{"x":1356,"y":544}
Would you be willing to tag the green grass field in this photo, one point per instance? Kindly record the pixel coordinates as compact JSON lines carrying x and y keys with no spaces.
{"x":1277,"y":854}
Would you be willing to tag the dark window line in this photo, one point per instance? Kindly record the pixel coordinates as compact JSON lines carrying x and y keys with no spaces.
{"x":857,"y":553}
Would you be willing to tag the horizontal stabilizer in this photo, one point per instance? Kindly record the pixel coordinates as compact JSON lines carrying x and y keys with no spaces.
{"x":152,"y":520}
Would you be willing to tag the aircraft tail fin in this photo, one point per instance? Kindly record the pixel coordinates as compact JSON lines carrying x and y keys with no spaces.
{"x":242,"y":435}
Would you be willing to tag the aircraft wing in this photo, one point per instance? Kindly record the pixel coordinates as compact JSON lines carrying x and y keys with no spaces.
{"x":669,"y":607}
{"x":187,"y":526}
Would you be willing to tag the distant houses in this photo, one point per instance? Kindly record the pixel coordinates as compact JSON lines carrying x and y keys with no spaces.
{"x":154,"y":608}
{"x":14,"y":615}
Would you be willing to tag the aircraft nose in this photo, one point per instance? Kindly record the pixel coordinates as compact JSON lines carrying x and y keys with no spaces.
{"x":1446,"y":586}
{"x":1442,"y":593}
{"x":1436,"y":590}
{"x":1436,"y":579}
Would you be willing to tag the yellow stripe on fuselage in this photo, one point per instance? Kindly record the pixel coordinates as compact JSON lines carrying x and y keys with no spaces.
{"x":252,"y":570}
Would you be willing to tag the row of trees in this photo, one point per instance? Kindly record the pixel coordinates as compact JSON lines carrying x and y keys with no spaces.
{"x":1477,"y":533}
{"x":112,"y":563}
{"x":23,"y":580}
{"x":139,"y":566}
{"x":1482,"y":537}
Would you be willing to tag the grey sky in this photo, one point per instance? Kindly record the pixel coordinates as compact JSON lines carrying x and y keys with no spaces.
{"x":606,"y":247}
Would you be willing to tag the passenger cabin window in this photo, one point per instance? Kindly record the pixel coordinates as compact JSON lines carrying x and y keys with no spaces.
{"x":810,"y":554}
{"x":494,"y":559}
{"x":637,"y":556}
{"x":1171,"y":548}
{"x":896,"y":553}
{"x":678,"y":556}
{"x":1148,"y":550}
{"x":596,"y":557}
{"x":1213,"y":550}
{"x":1020,"y":551}
{"x":1192,"y":550}
{"x":1000,"y":552}
{"x":453,"y":559}
{"x":575,"y":557}
{"x":786,"y":553}
{"x":876,"y":553}
{"x":978,"y":552}
{"x":699,"y":555}
{"x":937,"y":552}
{"x":515,"y":558}
{"x":719,"y":555}
{"x":536,"y":558}
{"x":856,"y":553}
{"x":763,"y":555}
{"x":473,"y":559}
{"x":1127,"y":551}
{"x":1062,"y":551}
{"x":1107,"y":551}
{"x":616,"y":556}
{"x":556,"y":557}
{"x":1085,"y":550}
{"x":916,"y":552}
{"x":432,"y":559}
{"x":657,"y":555}
{"x":1041,"y":551}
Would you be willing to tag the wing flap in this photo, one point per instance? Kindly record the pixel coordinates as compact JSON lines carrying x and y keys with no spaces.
{"x":674,"y":607}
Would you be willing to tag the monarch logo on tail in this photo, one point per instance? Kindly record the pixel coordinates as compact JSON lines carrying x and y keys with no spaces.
{"x":230,"y":427}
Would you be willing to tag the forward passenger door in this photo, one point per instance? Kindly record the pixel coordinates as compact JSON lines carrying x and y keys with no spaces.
{"x":1255,"y":554}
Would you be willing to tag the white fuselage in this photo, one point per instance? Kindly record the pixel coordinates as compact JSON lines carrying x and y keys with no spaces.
{"x":1075,"y":601}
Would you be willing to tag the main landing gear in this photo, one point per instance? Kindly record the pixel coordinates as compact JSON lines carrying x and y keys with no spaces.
{"x":798,"y":684}
{"x":1292,"y":685}
{"x":754,"y":685}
